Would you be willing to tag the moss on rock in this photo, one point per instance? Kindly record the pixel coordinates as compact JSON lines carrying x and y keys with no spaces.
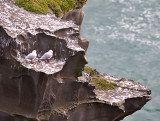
{"x":90,"y":70}
{"x":46,"y":6}
{"x":102,"y":83}
{"x":99,"y":83}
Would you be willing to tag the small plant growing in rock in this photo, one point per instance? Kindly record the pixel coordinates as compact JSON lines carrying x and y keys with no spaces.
{"x":90,"y":70}
{"x":102,"y":84}
{"x":98,"y":82}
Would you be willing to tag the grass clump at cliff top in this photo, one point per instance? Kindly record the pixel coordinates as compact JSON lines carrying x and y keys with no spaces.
{"x":48,"y":6}
{"x":102,"y":84}
{"x":98,"y":82}
{"x":90,"y":70}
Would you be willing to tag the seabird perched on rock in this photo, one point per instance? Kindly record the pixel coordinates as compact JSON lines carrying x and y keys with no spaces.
{"x":31,"y":56}
{"x":48,"y":55}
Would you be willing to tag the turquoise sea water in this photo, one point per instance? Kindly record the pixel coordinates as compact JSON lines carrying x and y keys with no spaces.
{"x":125,"y":42}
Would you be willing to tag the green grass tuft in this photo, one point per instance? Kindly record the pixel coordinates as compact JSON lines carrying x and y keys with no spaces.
{"x":90,"y":70}
{"x":99,"y":83}
{"x":102,"y":84}
{"x":46,"y":6}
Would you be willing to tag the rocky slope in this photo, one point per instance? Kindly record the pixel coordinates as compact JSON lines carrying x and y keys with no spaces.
{"x":59,"y":90}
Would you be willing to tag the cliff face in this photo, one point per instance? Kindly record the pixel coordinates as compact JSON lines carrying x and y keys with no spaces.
{"x":59,"y":90}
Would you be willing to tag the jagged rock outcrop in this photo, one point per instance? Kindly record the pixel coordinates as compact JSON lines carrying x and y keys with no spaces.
{"x":59,"y":90}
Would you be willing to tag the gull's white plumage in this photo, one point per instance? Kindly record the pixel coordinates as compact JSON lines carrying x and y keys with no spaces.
{"x":31,"y":55}
{"x":47,"y":55}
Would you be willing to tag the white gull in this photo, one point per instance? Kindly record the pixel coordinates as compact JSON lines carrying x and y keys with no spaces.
{"x":31,"y":56}
{"x":48,"y":55}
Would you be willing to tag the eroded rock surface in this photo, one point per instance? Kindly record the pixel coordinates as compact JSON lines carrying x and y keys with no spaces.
{"x":58,"y":90}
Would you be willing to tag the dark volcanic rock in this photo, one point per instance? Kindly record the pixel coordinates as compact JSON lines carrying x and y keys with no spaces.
{"x":59,"y":90}
{"x":76,"y":16}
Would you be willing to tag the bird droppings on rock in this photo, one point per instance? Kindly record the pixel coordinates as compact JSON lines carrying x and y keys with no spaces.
{"x":41,"y":66}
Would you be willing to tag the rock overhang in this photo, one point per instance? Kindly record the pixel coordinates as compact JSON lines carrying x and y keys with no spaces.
{"x":28,"y":29}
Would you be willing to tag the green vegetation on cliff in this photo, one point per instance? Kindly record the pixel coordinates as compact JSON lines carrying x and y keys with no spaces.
{"x":99,"y":83}
{"x":90,"y":70}
{"x":102,"y":84}
{"x":49,"y":6}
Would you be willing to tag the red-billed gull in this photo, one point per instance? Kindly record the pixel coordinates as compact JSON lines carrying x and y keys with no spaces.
{"x":31,"y":56}
{"x":48,"y":55}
